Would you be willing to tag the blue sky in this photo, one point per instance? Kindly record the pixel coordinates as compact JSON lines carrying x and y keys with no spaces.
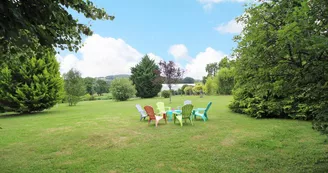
{"x":185,"y":31}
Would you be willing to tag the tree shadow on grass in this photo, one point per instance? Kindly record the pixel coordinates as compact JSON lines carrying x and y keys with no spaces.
{"x":36,"y":114}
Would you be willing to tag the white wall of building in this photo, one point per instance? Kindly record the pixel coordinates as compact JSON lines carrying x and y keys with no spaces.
{"x":174,"y":86}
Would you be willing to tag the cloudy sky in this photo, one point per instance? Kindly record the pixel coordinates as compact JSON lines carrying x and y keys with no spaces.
{"x":192,"y":33}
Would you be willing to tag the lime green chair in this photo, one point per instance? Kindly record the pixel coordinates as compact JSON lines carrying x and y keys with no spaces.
{"x":185,"y":114}
{"x":161,"y":108}
{"x":202,"y":112}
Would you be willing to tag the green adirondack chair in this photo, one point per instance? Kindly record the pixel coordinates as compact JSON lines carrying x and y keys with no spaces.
{"x":185,"y":114}
{"x":202,"y":112}
{"x":161,"y":108}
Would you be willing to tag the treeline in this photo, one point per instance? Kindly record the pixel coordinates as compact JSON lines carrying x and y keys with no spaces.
{"x":282,"y":62}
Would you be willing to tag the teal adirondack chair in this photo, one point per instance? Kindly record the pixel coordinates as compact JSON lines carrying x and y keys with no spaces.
{"x":185,"y":114}
{"x":202,"y":112}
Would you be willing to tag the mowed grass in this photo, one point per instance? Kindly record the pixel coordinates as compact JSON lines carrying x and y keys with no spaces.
{"x":107,"y":136}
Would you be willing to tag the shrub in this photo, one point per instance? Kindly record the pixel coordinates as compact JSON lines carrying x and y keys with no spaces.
{"x":30,"y":82}
{"x":188,"y":90}
{"x":165,"y":93}
{"x":122,"y":89}
{"x":198,"y":88}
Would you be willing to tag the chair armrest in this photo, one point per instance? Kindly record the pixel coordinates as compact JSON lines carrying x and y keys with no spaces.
{"x":168,"y":108}
{"x":200,"y":109}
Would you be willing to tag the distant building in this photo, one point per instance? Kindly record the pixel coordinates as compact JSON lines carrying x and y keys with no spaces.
{"x":174,"y":86}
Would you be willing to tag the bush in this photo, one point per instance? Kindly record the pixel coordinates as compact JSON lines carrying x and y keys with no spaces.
{"x":30,"y":82}
{"x":198,"y":88}
{"x":188,"y":90}
{"x":122,"y":89}
{"x":165,"y":93}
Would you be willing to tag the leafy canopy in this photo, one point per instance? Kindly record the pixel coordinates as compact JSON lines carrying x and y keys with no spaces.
{"x":30,"y":84}
{"x":146,"y":78}
{"x":171,"y":72}
{"x":122,"y":89}
{"x":281,"y":69}
{"x":47,"y":21}
{"x":74,"y":86}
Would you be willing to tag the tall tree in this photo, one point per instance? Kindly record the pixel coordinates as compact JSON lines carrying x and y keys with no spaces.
{"x":212,"y":69}
{"x":47,"y":21}
{"x":226,"y":63}
{"x":90,"y":85}
{"x":225,"y":79}
{"x":211,"y":86}
{"x":281,"y":69}
{"x":74,"y":86}
{"x":30,"y":84}
{"x":101,"y":87}
{"x":145,"y":76}
{"x":171,"y":73}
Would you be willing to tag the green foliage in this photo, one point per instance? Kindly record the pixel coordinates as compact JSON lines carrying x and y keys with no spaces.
{"x":188,"y":90}
{"x":198,"y":88}
{"x":166,"y":93}
{"x":30,"y":81}
{"x":212,"y":69}
{"x":101,"y":87}
{"x":188,"y":80}
{"x":146,"y":77}
{"x":226,"y":63}
{"x":211,"y":86}
{"x":281,"y":69}
{"x":183,"y":87}
{"x":88,"y":97}
{"x":74,"y":86}
{"x":122,"y":89}
{"x":90,"y":85}
{"x":225,"y":80}
{"x":46,"y":21}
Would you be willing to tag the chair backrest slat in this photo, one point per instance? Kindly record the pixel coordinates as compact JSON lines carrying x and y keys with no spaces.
{"x":140,"y":110}
{"x":160,"y":106}
{"x":187,"y":102}
{"x":208,"y":107}
{"x":187,"y":110}
{"x":150,"y":112}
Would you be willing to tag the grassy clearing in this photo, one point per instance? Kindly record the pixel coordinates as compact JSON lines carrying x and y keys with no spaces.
{"x":107,"y":136}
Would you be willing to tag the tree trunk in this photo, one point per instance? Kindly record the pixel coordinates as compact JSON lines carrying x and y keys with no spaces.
{"x":170,"y":96}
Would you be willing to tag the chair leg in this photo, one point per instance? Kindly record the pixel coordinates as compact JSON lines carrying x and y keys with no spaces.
{"x":149,"y":122}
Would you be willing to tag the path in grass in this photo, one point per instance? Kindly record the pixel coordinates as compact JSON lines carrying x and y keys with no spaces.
{"x":107,"y":136}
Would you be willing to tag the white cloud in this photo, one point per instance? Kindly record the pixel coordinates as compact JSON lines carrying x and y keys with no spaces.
{"x":179,"y":51}
{"x":196,"y":67}
{"x":102,"y":56}
{"x":155,"y":57}
{"x":208,"y":4}
{"x":232,"y":27}
{"x":67,"y":62}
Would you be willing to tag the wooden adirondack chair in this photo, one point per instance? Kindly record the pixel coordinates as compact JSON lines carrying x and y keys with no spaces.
{"x":185,"y":114}
{"x":202,"y":112}
{"x":142,"y":112}
{"x":152,"y":116}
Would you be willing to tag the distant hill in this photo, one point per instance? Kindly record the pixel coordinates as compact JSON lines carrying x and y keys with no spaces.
{"x":112,"y":77}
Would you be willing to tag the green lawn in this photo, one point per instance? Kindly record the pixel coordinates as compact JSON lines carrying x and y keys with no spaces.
{"x":107,"y":136}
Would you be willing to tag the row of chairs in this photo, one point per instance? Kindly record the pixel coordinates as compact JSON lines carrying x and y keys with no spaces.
{"x":185,"y":112}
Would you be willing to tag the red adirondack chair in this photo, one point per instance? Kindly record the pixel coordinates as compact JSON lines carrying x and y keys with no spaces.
{"x":152,"y":116}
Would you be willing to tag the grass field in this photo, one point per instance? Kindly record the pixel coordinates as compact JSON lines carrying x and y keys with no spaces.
{"x":107,"y":136}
